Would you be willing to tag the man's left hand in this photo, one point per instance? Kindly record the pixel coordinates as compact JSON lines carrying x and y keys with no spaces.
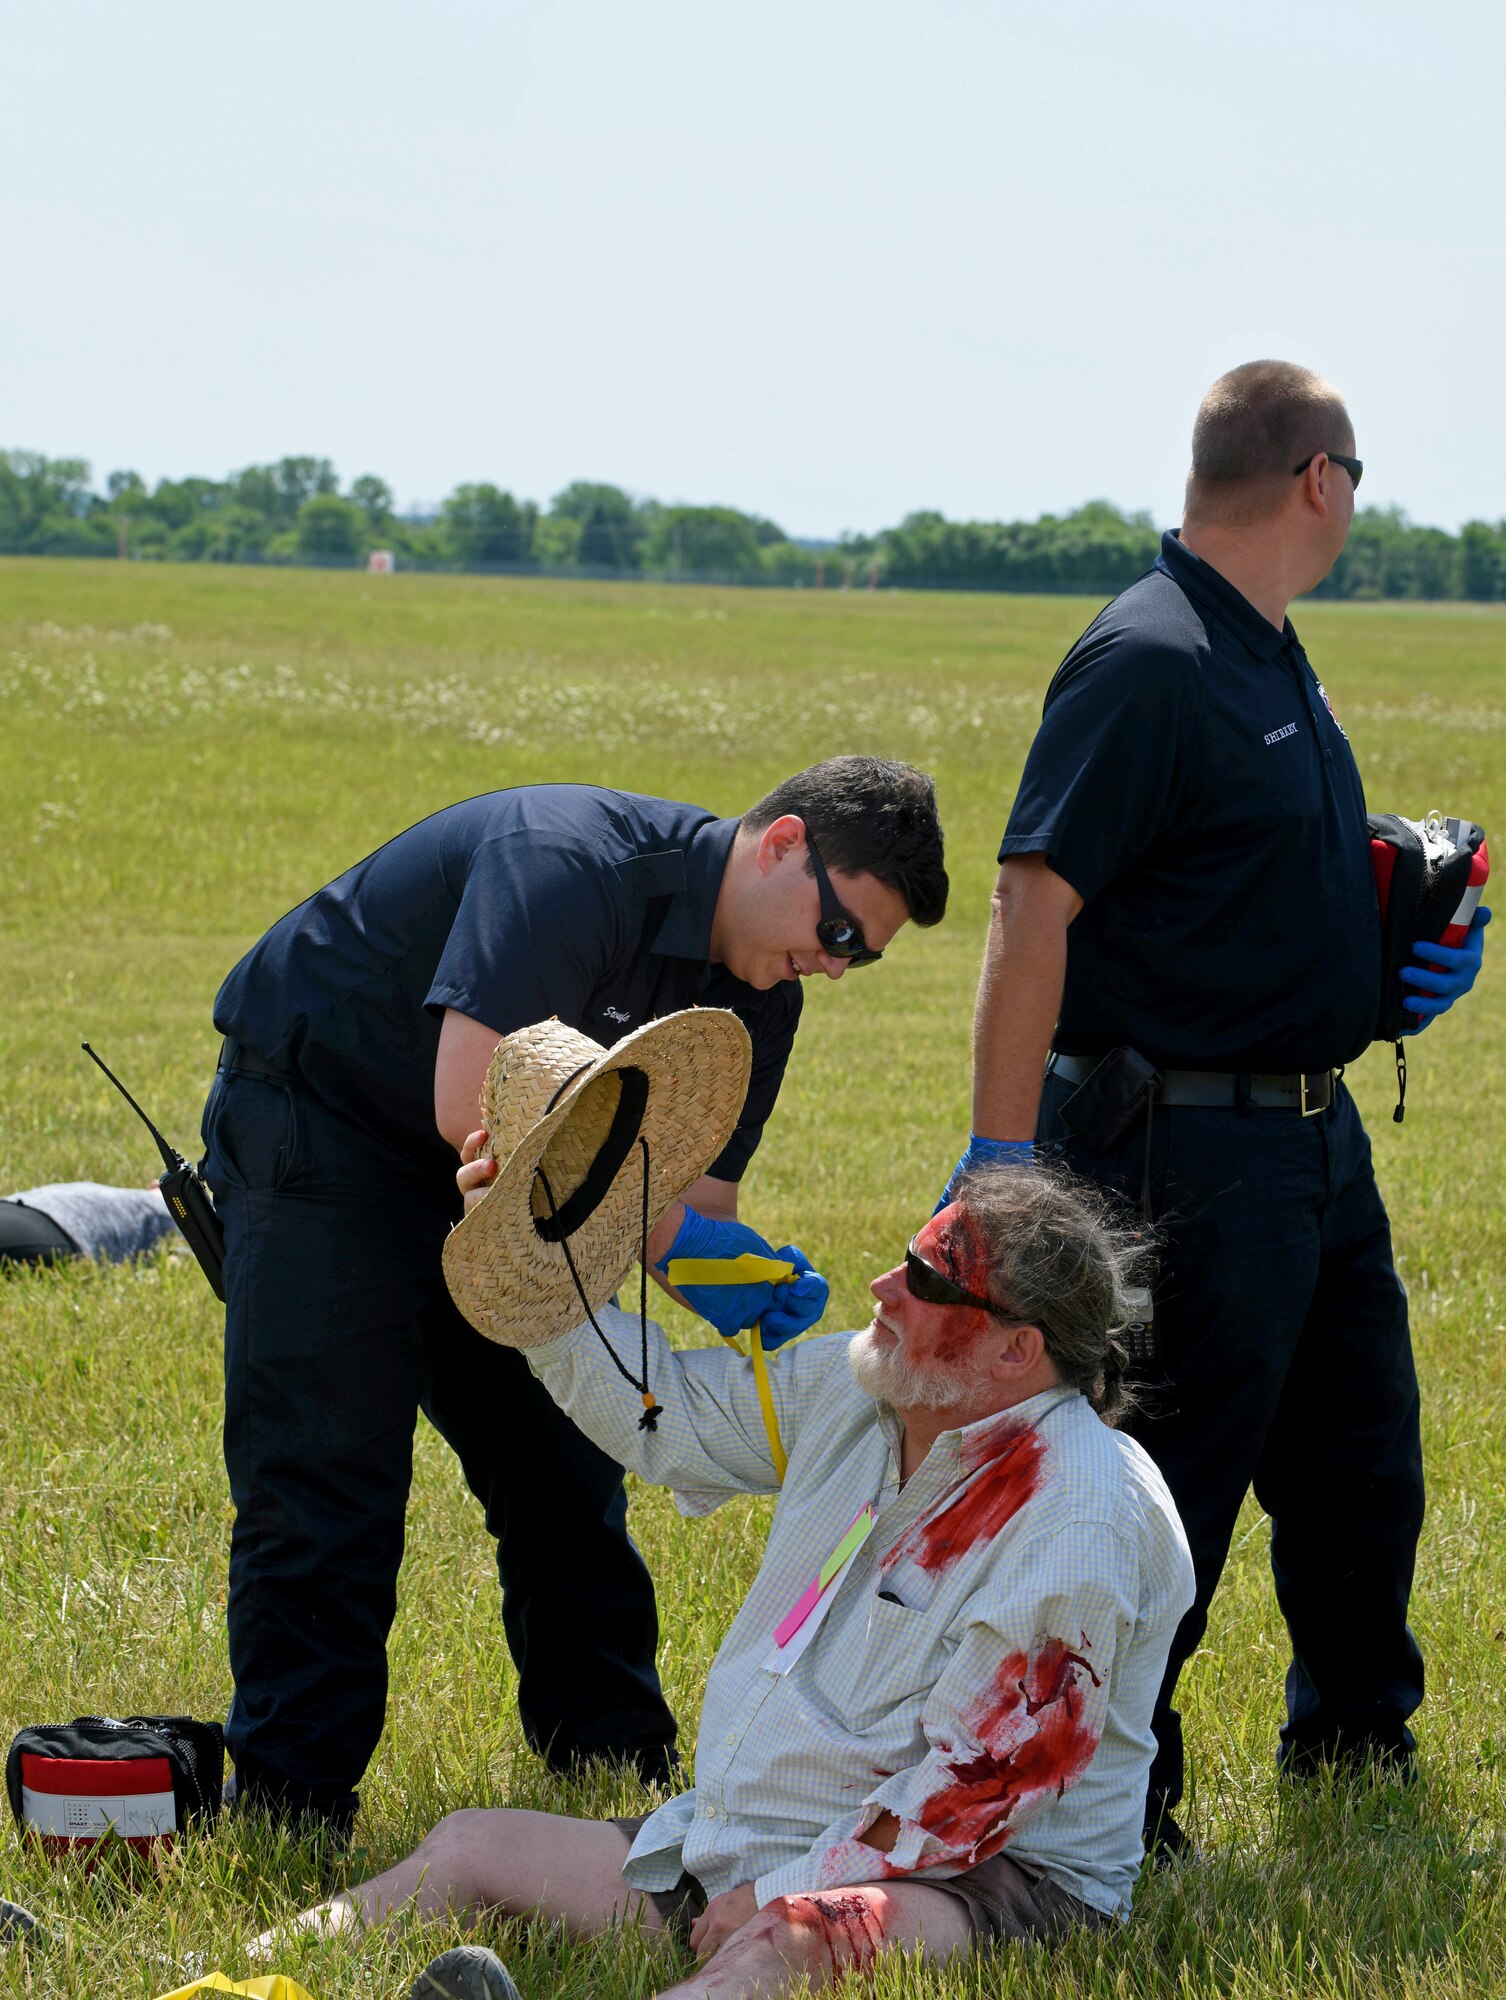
{"x":798,"y":1303}
{"x":786,"y":1308}
{"x":1446,"y":974}
{"x":721,"y":1919}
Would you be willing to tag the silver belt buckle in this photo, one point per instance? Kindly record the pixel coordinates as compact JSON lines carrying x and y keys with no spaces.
{"x":1302,"y":1097}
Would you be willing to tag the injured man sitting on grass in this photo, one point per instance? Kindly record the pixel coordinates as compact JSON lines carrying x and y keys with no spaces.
{"x":929,"y":1726}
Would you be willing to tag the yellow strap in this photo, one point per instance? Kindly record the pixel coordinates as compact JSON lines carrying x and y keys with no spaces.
{"x":766,"y":1403}
{"x":748,"y":1269}
{"x":273,"y":1986}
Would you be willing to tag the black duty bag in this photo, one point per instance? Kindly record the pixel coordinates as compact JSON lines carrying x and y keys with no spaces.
{"x":143,"y":1776}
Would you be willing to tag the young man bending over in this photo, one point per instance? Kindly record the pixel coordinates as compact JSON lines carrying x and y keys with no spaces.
{"x":947,"y":1741}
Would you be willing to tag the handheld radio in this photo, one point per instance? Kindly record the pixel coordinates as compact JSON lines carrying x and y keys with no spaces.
{"x":189,"y":1202}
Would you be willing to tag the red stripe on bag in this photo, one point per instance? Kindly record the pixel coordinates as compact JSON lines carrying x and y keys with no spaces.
{"x":1383,"y":862}
{"x":57,"y":1847}
{"x":1464,"y":916}
{"x":96,"y":1777}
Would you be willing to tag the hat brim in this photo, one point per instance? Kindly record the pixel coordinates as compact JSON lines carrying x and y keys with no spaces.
{"x":510,"y":1280}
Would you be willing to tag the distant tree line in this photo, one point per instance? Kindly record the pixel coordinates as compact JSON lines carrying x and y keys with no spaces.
{"x":295,"y":512}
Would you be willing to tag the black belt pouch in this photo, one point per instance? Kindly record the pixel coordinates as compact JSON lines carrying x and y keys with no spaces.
{"x":1111,"y":1099}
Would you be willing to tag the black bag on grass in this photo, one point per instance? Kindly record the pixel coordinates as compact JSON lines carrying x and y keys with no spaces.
{"x":142,"y":1777}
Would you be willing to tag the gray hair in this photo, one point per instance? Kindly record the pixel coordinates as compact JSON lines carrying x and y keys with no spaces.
{"x":1061,"y":1256}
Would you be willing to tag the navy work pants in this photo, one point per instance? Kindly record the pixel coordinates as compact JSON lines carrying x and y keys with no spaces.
{"x":338,"y":1330}
{"x":1286,"y":1366}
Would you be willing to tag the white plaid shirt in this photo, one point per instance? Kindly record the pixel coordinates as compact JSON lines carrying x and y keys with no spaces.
{"x":985,"y":1667}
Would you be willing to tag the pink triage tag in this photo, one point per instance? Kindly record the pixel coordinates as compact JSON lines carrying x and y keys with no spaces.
{"x":853,"y":1539}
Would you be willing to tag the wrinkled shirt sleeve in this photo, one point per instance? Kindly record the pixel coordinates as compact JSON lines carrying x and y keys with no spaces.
{"x":1013,"y":1721}
{"x":709,"y":1437}
{"x":539,"y":922}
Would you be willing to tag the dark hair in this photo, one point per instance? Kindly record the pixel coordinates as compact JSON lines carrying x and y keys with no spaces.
{"x":1253,"y":429}
{"x":868,"y":816}
{"x":1062,"y":1256}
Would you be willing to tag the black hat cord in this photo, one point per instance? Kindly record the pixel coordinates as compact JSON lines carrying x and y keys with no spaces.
{"x":651,"y":1405}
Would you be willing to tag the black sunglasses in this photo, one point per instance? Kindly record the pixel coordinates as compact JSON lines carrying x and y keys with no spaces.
{"x":836,"y":933}
{"x":937,"y":1289}
{"x":1353,"y":466}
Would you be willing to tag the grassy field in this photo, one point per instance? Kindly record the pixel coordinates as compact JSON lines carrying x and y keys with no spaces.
{"x":186,"y":752}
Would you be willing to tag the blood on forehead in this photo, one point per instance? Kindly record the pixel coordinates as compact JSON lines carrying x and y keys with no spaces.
{"x":953,"y":1244}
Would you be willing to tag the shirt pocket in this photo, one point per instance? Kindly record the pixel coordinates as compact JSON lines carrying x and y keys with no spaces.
{"x":877,"y":1658}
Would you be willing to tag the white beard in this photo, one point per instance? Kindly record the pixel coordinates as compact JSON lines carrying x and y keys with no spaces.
{"x":883,"y":1372}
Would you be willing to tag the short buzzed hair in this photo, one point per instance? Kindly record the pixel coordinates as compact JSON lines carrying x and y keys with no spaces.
{"x":1254,"y":427}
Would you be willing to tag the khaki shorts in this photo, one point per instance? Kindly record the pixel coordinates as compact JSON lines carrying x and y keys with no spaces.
{"x":1004,"y":1898}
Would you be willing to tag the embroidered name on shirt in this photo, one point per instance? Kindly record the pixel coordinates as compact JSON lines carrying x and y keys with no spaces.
{"x":1276,"y":735}
{"x":616,"y":1014}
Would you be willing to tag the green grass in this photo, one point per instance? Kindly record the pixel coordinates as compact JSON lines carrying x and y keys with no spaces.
{"x":186,"y":752}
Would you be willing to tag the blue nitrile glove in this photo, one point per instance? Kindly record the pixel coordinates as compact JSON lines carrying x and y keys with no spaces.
{"x":1447,"y":974}
{"x":730,"y":1308}
{"x":797,"y":1305}
{"x":986,"y":1153}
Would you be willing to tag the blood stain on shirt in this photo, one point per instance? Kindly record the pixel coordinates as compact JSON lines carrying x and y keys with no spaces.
{"x":1033,"y":1739}
{"x":1008,"y":1455}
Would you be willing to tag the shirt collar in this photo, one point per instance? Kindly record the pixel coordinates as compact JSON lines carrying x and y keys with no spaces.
{"x":971,"y":1447}
{"x":1026,"y":1414}
{"x":1203,"y":583}
{"x":686,"y":929}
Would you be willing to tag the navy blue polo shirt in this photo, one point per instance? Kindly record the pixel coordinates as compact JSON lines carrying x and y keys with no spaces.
{"x":1192,"y":783}
{"x":548,"y":899}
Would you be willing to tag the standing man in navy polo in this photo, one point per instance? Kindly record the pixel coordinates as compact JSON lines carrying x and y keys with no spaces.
{"x":1186,"y":873}
{"x":358,"y":1033}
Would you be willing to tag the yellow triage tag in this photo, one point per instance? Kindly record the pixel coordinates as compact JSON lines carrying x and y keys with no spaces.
{"x":271,"y":1986}
{"x":747,"y":1269}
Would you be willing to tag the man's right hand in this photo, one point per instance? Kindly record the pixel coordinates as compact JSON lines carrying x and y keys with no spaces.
{"x":476,"y":1173}
{"x":722,"y":1918}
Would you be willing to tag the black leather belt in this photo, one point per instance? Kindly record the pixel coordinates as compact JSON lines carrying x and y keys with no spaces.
{"x":234,"y":1055}
{"x":1306,"y":1093}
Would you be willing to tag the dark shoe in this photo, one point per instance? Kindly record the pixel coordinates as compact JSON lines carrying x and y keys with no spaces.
{"x":469,"y":1972}
{"x":1386,"y":1758}
{"x":659,"y":1766}
{"x":307,"y":1815}
{"x":1166,"y":1844}
{"x":18,"y":1926}
{"x":655,"y":1764}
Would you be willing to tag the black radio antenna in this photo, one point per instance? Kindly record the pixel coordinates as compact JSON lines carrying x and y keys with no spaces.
{"x":171,"y":1157}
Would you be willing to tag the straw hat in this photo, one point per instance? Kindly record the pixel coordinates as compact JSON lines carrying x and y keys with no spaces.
{"x":562,"y":1110}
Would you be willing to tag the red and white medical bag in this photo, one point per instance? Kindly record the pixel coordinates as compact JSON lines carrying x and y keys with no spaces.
{"x":141,"y":1778}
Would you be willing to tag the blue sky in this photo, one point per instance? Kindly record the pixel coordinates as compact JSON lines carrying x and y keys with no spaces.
{"x":827,"y":261}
